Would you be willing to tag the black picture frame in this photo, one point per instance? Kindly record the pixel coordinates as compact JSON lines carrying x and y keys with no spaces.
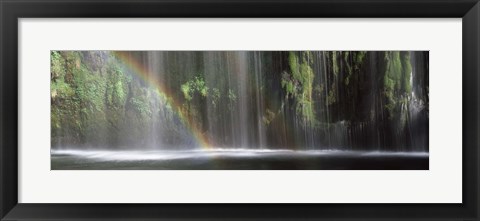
{"x":12,"y":10}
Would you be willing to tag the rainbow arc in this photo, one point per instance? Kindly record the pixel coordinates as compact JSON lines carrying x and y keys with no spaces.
{"x":145,"y":74}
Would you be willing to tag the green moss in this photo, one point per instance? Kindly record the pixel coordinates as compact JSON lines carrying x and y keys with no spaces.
{"x":347,"y":80}
{"x":396,"y":80}
{"x":194,"y":86}
{"x":57,"y":65}
{"x":360,"y":57}
{"x":268,"y":117}
{"x":407,"y":71}
{"x":141,"y":106}
{"x":186,"y":91}
{"x":331,"y":99}
{"x":232,"y":96}
{"x":293,"y":62}
{"x":116,"y":87}
{"x":336,"y":68}
{"x":215,"y":97}
{"x":299,"y":85}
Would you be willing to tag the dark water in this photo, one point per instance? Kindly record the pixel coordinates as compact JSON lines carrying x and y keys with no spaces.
{"x":238,"y":159}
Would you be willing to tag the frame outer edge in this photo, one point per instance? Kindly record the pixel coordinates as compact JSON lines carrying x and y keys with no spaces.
{"x":2,"y":128}
{"x":8,"y":166}
{"x":9,"y":109}
{"x":470,"y":118}
{"x":477,"y":212}
{"x":476,"y":166}
{"x":3,"y":208}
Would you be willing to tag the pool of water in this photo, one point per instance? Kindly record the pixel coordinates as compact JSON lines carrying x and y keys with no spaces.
{"x":237,"y":159}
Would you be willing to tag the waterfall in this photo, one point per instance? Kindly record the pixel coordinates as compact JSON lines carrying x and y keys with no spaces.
{"x":301,"y":100}
{"x":260,"y":110}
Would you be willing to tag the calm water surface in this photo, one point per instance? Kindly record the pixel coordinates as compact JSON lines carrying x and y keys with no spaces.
{"x":237,"y":159}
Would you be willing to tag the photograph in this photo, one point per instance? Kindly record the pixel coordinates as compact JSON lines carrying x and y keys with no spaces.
{"x":239,"y":110}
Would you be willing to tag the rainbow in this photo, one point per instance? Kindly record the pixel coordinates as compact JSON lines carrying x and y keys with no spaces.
{"x":146,"y":76}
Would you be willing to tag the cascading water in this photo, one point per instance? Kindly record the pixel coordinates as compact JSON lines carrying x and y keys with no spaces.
{"x":183,"y":102}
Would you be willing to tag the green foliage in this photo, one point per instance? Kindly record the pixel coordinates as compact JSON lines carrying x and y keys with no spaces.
{"x":289,"y":84}
{"x":90,"y":89}
{"x":77,"y":98}
{"x":348,"y":62}
{"x":331,"y":99}
{"x":407,"y":71}
{"x":197,"y":94}
{"x":232,"y":96}
{"x":268,"y":117}
{"x":57,"y":65}
{"x":347,"y":80}
{"x":294,"y":65}
{"x":299,"y":85}
{"x":117,"y":86}
{"x":319,"y":89}
{"x":141,"y":106}
{"x":360,"y":57}
{"x":195,"y":86}
{"x":336,"y":68}
{"x":396,"y":81}
{"x":215,"y":96}
{"x":58,"y":88}
{"x":186,"y":91}
{"x":88,"y":97}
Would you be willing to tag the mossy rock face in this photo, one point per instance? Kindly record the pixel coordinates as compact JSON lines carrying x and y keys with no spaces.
{"x":298,"y":84}
{"x":92,"y":100}
{"x":397,"y":84}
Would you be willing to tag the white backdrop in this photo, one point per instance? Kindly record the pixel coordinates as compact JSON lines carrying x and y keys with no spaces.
{"x":441,"y":184}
